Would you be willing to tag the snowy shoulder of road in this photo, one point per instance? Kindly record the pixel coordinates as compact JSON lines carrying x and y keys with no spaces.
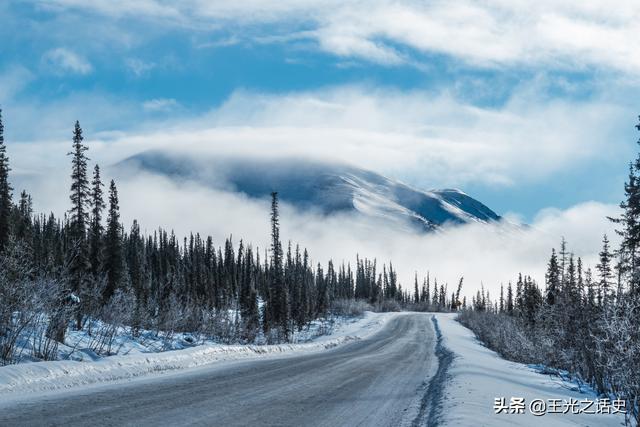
{"x":477,"y":376}
{"x":54,"y":375}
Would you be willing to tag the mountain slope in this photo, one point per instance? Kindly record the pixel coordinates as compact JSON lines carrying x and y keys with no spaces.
{"x":325,"y":187}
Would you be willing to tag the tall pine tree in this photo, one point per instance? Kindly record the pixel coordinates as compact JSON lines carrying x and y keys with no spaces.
{"x":5,"y":191}
{"x":604,"y":271}
{"x":279,"y":300}
{"x":553,"y":279}
{"x":113,"y":245}
{"x":77,"y":254}
{"x":96,"y":229}
{"x":629,"y":230}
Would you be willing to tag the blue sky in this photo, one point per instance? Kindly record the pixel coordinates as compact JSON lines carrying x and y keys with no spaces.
{"x":523,"y":106}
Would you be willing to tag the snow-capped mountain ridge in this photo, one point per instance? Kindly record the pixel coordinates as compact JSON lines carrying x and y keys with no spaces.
{"x":324,"y":187}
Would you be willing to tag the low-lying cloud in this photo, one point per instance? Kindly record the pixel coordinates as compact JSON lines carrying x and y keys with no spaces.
{"x":488,"y":254}
{"x":483,"y":254}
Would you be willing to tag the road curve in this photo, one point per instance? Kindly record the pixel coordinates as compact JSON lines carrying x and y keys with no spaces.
{"x":378,"y":381}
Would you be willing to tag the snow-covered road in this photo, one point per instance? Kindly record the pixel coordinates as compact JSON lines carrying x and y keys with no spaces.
{"x":382,"y":370}
{"x":380,"y":380}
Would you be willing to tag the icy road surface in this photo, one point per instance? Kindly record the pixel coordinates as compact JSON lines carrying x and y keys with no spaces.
{"x":378,"y":381}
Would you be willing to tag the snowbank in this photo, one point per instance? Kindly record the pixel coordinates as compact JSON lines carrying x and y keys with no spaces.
{"x":478,"y":376}
{"x":47,"y":376}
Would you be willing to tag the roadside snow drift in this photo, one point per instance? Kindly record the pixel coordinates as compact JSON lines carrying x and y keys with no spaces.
{"x":48,"y":376}
{"x":477,"y":376}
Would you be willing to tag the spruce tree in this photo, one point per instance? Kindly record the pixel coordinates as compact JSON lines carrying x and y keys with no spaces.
{"x":22,"y":221}
{"x":113,"y":245}
{"x":510,"y":299}
{"x":629,"y":230}
{"x":279,"y":304}
{"x":5,"y":191}
{"x":604,"y":271}
{"x":553,"y":279}
{"x":80,"y":193}
{"x":77,"y":254}
{"x":563,"y":260}
{"x":96,"y":229}
{"x":248,"y":297}
{"x":434,"y":295}
{"x":519,"y":294}
{"x":138,"y":270}
{"x":457,"y":303}
{"x":424,"y":296}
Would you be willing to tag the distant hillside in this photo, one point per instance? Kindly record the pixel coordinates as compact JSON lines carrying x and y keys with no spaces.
{"x":325,"y":187}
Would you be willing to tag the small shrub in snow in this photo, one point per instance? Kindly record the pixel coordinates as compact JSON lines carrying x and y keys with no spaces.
{"x":350,"y":307}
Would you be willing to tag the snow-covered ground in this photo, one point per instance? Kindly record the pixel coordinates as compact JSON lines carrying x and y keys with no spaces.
{"x":142,"y":356}
{"x":477,"y":376}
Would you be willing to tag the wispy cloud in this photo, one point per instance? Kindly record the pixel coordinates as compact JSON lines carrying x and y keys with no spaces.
{"x":139,"y":67}
{"x":160,"y":105}
{"x":13,"y":79}
{"x":62,"y":60}
{"x":493,"y":33}
{"x":429,"y":139}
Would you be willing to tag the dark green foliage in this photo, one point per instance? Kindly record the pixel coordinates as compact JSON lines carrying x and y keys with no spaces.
{"x":278,"y":309}
{"x":629,"y":230}
{"x":553,"y":279}
{"x":96,"y":230}
{"x":77,"y":251}
{"x":113,"y":263}
{"x":80,"y":193}
{"x":605,"y":271}
{"x":5,"y":191}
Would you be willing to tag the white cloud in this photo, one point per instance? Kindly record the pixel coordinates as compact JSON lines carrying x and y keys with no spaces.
{"x":564,"y":34}
{"x":160,"y":105}
{"x":139,"y":67}
{"x":117,"y":8}
{"x":62,"y":60}
{"x":428,"y":139}
{"x":96,"y":111}
{"x":13,"y":79}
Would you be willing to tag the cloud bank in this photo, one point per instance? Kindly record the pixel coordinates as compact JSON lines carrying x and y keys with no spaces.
{"x":487,"y":254}
{"x":483,"y":254}
{"x":427,"y":139}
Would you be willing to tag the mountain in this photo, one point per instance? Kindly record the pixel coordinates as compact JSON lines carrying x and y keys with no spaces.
{"x":323,"y":187}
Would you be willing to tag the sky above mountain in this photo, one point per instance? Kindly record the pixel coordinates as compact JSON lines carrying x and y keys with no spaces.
{"x":524,"y":105}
